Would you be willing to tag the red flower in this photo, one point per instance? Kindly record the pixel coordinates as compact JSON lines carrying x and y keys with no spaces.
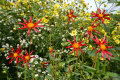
{"x":100,"y":42}
{"x":75,"y":46}
{"x":26,"y":58}
{"x":103,"y":47}
{"x":14,"y":54}
{"x":50,"y":49}
{"x":90,"y":29}
{"x":100,"y":16}
{"x":70,"y":15}
{"x":43,"y":64}
{"x":30,"y":25}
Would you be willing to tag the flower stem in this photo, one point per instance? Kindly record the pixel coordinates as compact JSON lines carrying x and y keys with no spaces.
{"x":95,"y":4}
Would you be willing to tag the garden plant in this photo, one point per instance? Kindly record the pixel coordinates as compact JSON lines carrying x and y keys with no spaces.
{"x":57,"y":40}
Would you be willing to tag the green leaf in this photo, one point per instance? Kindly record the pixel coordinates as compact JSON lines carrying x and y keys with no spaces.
{"x":97,"y":64}
{"x":57,"y":59}
{"x":104,"y":68}
{"x":49,"y":70}
{"x":91,"y":52}
{"x":48,"y":77}
{"x":89,"y":69}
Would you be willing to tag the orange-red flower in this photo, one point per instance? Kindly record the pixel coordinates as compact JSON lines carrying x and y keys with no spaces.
{"x":100,"y":16}
{"x":75,"y":46}
{"x":30,"y":25}
{"x":50,"y":51}
{"x":101,"y":41}
{"x":43,"y":64}
{"x":90,"y":29}
{"x":103,"y":47}
{"x":15,"y":54}
{"x":70,"y":15}
{"x":26,"y":58}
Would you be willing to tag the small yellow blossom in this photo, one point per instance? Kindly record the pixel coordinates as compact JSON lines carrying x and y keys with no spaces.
{"x":101,"y":58}
{"x":98,"y":0}
{"x":56,"y":6}
{"x":3,"y":49}
{"x":74,"y":32}
{"x":105,"y":5}
{"x":90,"y":46}
{"x":44,"y":20}
{"x":117,"y":12}
{"x":117,"y":41}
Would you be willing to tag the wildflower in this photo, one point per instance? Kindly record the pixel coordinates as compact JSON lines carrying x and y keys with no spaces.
{"x":43,"y":64}
{"x":75,"y":46}
{"x":100,"y":41}
{"x":98,"y":0}
{"x":50,"y":49}
{"x":74,"y":32}
{"x":70,"y":15}
{"x":26,"y":58}
{"x":30,"y":25}
{"x":90,"y":29}
{"x":103,"y":47}
{"x":100,"y":16}
{"x":15,"y":54}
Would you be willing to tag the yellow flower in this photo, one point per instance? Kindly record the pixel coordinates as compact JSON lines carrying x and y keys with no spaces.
{"x":3,"y":49}
{"x":74,"y":32}
{"x":118,"y":36}
{"x":72,"y":4}
{"x":65,"y":5}
{"x":90,"y":46}
{"x":98,"y":0}
{"x":88,"y":14}
{"x":101,"y":58}
{"x":117,"y":41}
{"x":117,"y":12}
{"x":56,"y":6}
{"x":44,"y":20}
{"x":105,"y":5}
{"x":106,"y":21}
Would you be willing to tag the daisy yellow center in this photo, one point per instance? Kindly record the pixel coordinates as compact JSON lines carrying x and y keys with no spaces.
{"x":15,"y":55}
{"x":70,"y":15}
{"x":103,"y":47}
{"x":100,"y":15}
{"x":42,"y":63}
{"x":76,"y":45}
{"x":30,"y":25}
{"x":90,"y":28}
{"x":50,"y":49}
{"x":73,"y":32}
{"x":27,"y":57}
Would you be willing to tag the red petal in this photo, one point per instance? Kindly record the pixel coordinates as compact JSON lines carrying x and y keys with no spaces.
{"x":74,"y":16}
{"x":10,"y":53}
{"x":96,"y":31}
{"x":107,"y":56}
{"x":11,"y":60}
{"x":9,"y":56}
{"x":74,"y":39}
{"x":25,"y":21}
{"x":39,"y":26}
{"x":72,"y":12}
{"x":107,"y":18}
{"x":37,"y":22}
{"x":81,"y":50}
{"x":29,"y":30}
{"x":31,"y":52}
{"x":23,"y":27}
{"x":68,"y":46}
{"x":23,"y":63}
{"x":22,"y":23}
{"x":71,"y":51}
{"x":99,"y":11}
{"x":36,"y":30}
{"x":98,"y":50}
{"x":109,"y":53}
{"x":13,"y":49}
{"x":31,"y":19}
{"x":69,"y":41}
{"x":72,"y":19}
{"x":103,"y":12}
{"x":26,"y":52}
{"x":76,"y":53}
{"x":102,"y":54}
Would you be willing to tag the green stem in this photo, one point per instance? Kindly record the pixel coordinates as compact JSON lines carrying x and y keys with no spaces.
{"x":95,"y":4}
